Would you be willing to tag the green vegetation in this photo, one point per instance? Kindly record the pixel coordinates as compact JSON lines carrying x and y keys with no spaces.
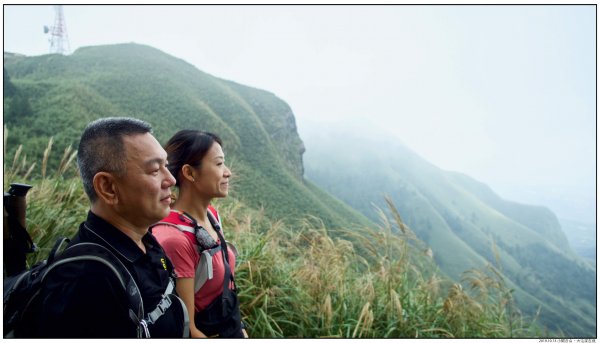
{"x":309,"y":280}
{"x":461,"y":220}
{"x":258,"y":129}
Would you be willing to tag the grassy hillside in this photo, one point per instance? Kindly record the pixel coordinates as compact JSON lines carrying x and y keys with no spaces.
{"x":310,"y":280}
{"x":64,"y":93}
{"x":464,"y":223}
{"x":342,"y":276}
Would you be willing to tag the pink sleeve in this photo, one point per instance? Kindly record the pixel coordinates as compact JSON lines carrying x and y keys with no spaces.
{"x":179,"y":249}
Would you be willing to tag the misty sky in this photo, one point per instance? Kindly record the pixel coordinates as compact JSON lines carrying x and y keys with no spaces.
{"x":505,"y":94}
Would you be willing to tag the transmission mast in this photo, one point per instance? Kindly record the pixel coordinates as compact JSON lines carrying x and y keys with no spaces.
{"x":59,"y":40}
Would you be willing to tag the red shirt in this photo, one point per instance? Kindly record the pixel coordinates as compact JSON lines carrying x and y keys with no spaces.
{"x":185,"y":257}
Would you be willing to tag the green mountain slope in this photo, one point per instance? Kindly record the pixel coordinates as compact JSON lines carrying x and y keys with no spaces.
{"x":262,"y":145}
{"x":54,"y":95}
{"x":465,"y":223}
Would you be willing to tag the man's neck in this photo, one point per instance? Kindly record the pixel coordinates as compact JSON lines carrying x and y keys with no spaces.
{"x":135,"y":233}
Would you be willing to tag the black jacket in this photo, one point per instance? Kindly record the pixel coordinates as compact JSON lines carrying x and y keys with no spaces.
{"x":84,"y":300}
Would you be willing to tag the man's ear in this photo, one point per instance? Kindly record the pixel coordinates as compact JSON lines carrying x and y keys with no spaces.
{"x":105,"y":187}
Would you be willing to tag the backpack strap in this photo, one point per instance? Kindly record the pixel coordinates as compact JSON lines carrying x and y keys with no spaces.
{"x":184,"y":228}
{"x":204,"y":268}
{"x":215,"y":214}
{"x":163,"y":306}
{"x":21,"y":292}
{"x":88,"y":251}
{"x":224,"y":250}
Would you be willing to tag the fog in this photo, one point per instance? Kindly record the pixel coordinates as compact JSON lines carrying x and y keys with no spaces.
{"x":505,"y":94}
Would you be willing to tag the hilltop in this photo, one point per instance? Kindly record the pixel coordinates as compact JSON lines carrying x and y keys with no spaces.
{"x":56,"y":96}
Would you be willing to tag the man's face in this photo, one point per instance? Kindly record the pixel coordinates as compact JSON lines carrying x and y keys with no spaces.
{"x":144,"y":192}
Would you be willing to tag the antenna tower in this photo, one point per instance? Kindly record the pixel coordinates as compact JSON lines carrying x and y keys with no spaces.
{"x":59,"y":40}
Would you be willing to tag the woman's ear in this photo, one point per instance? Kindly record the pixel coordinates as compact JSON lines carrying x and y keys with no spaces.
{"x":106,"y":188}
{"x":188,"y":172}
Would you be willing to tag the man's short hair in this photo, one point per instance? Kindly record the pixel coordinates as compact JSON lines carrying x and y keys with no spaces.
{"x":101,"y":148}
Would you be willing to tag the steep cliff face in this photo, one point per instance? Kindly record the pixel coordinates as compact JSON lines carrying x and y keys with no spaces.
{"x":279,"y":122}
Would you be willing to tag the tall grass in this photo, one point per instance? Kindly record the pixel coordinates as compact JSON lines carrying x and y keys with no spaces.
{"x":309,"y":280}
{"x":359,"y":282}
{"x":56,"y":204}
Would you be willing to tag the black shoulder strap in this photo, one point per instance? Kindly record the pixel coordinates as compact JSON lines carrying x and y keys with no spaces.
{"x":95,"y":252}
{"x":228,"y":275}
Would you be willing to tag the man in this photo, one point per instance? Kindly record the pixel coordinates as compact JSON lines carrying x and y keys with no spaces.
{"x":124,"y":174}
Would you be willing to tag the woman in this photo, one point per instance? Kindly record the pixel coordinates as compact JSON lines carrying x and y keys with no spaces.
{"x":192,"y":238}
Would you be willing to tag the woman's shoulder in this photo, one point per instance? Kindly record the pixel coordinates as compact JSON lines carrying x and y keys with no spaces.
{"x":171,"y":225}
{"x":168,"y":233}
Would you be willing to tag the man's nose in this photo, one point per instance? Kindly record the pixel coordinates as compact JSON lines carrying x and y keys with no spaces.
{"x":170,"y":179}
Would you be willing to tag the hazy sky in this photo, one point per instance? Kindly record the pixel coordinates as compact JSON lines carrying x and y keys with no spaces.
{"x":506,"y":94}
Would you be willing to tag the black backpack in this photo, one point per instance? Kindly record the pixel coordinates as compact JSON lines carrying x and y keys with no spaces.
{"x":21,"y":291}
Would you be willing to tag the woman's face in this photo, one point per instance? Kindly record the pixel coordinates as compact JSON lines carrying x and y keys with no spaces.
{"x":213,"y":178}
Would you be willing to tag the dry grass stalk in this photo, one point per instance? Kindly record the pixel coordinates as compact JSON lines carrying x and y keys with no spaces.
{"x":324,"y":260}
{"x":327,"y":311}
{"x":460,"y":308}
{"x":479,"y":283}
{"x":46,"y":155}
{"x":29,"y":171}
{"x":396,"y":305}
{"x":368,"y":291}
{"x":396,"y":215}
{"x":433,"y":286}
{"x":16,"y":159}
{"x":398,"y":219}
{"x":23,"y":163}
{"x":66,"y":160}
{"x":365,"y":321}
